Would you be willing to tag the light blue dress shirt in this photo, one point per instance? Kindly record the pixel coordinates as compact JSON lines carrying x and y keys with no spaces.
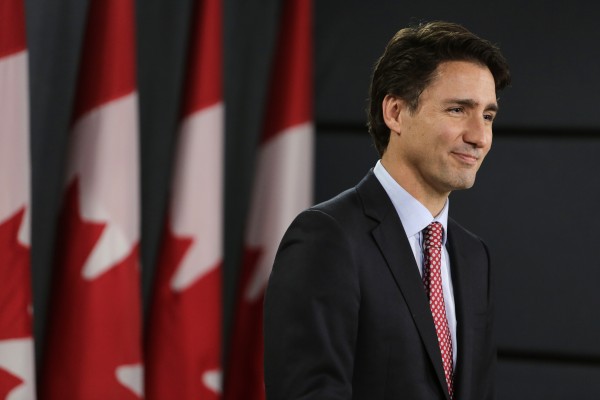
{"x":415,"y":217}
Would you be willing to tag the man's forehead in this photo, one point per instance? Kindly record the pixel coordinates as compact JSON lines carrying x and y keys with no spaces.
{"x":463,"y":79}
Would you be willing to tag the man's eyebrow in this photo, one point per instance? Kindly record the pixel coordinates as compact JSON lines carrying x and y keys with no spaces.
{"x":492,"y":107}
{"x":470,"y":103}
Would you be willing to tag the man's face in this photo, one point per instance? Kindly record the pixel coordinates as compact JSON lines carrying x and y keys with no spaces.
{"x":443,"y":142}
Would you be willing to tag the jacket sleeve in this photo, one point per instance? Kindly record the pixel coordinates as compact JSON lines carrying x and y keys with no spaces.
{"x":311,"y":312}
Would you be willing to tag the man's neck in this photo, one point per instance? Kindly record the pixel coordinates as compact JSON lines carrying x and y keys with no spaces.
{"x":431,"y":199}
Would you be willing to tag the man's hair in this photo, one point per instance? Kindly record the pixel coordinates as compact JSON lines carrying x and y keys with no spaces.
{"x":409,"y":63}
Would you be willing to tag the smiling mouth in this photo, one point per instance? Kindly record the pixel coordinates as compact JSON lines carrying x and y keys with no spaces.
{"x":466,"y":158}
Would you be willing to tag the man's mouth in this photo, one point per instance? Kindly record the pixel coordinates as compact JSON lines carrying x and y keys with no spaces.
{"x":465,"y":157}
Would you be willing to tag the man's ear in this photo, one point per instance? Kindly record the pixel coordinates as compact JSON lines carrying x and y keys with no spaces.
{"x":391,"y":108}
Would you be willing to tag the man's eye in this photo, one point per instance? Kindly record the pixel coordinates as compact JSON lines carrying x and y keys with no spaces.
{"x":455,"y":109}
{"x":488,"y":117}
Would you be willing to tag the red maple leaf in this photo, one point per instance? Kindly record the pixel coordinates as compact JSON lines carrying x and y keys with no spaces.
{"x":245,"y":372}
{"x":15,"y":292}
{"x":7,"y":383}
{"x":94,"y":325}
{"x":185,"y":328}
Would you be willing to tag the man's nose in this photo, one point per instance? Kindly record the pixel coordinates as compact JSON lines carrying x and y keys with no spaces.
{"x":478,"y":132}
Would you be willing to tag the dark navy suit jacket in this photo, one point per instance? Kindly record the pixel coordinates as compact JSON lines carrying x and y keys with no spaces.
{"x":347,"y":317}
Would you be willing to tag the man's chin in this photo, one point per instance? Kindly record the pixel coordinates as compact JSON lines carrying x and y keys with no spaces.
{"x":463,"y":183}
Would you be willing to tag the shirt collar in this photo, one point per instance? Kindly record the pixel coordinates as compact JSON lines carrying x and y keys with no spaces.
{"x":414,"y":216}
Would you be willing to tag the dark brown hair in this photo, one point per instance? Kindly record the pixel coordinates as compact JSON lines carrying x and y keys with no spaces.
{"x":410,"y":60}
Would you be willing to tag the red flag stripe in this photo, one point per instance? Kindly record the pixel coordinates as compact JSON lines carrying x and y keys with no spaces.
{"x":110,"y":36}
{"x":93,"y":340}
{"x":290,"y":96}
{"x":183,"y":346}
{"x":282,"y":188}
{"x":12,"y":27}
{"x":204,"y":71}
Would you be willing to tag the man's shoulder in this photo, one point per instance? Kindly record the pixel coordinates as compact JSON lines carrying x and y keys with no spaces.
{"x":358,"y":200}
{"x":348,"y":210}
{"x":344,"y":202}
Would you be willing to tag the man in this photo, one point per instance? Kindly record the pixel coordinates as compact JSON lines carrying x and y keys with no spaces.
{"x":377,"y":294}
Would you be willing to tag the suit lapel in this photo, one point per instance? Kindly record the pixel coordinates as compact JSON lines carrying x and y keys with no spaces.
{"x":393,"y":244}
{"x":460,"y":281}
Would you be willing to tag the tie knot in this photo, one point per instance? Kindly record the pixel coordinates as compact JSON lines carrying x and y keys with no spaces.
{"x":432,"y":235}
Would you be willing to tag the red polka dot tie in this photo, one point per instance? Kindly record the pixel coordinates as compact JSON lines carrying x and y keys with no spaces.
{"x":432,"y":278}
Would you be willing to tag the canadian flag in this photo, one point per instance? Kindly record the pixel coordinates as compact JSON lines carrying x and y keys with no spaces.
{"x":282,"y":188}
{"x":183,"y":347}
{"x":93,"y":348}
{"x":16,"y":342}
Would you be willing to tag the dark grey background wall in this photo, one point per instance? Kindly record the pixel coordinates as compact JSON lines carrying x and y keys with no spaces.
{"x":535,"y":202}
